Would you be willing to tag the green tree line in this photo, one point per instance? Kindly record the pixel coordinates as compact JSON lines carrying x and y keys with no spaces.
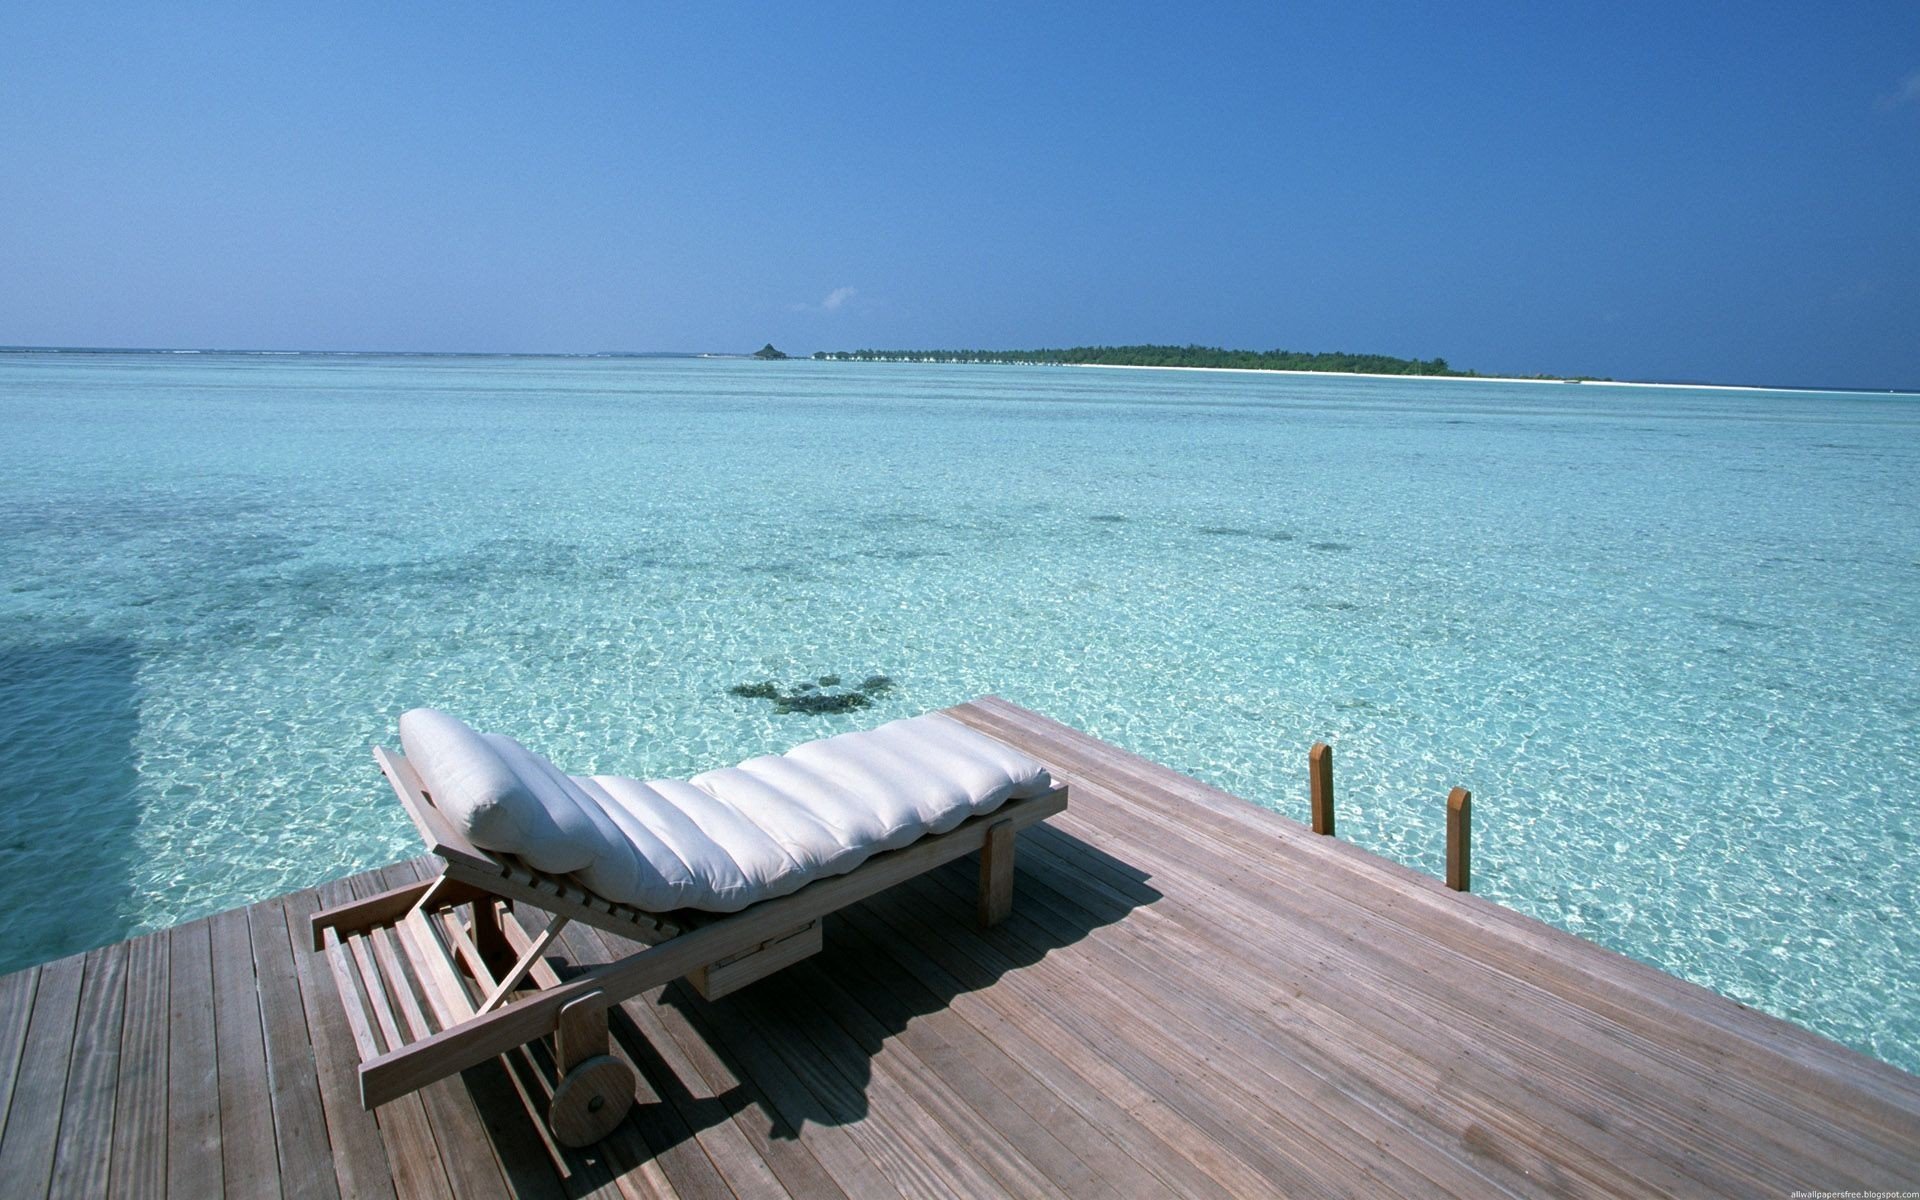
{"x":1167,"y":356}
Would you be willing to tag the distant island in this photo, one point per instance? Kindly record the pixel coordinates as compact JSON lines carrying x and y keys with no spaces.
{"x":769,"y":353}
{"x":1169,"y":356}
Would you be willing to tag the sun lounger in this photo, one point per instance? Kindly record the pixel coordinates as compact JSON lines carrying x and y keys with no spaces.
{"x":725,"y":877}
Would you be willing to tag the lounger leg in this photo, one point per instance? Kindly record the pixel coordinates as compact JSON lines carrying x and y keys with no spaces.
{"x":595,"y":1090}
{"x":512,"y":978}
{"x":996,"y":874}
{"x":488,"y":938}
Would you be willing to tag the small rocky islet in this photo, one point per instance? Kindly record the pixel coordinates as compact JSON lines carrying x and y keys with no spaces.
{"x":822,"y":694}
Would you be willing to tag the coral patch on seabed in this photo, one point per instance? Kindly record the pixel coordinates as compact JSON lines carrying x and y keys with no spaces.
{"x":823,"y":694}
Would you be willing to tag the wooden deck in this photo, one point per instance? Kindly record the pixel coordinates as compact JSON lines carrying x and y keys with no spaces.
{"x":1193,"y":997}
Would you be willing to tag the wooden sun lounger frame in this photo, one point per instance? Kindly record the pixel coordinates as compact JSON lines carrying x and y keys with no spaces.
{"x":439,"y":976}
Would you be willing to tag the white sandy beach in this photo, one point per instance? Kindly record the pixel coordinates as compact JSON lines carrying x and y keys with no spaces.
{"x":1627,"y":383}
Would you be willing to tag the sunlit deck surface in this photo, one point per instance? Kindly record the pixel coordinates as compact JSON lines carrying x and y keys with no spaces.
{"x":1193,"y":997}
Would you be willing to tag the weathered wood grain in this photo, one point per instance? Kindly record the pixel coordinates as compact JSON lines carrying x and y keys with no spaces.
{"x":1188,"y":996}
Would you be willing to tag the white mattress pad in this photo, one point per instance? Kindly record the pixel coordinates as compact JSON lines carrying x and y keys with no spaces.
{"x":728,"y":838}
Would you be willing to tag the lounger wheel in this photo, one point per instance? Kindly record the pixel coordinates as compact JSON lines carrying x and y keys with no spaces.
{"x":592,"y":1098}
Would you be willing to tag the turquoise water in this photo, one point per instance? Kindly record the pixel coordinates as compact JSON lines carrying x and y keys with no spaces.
{"x":1667,"y":637}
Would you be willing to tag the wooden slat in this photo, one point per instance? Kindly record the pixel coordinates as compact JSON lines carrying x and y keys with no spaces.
{"x":140,"y":1133}
{"x":472,"y":1168}
{"x":16,"y":1010}
{"x":84,"y":1160}
{"x":249,"y":1165}
{"x":359,"y":1157}
{"x":407,"y":1135}
{"x":388,"y":950}
{"x":1238,"y":1061}
{"x":1158,"y":1058}
{"x":1358,"y":1000}
{"x":734,"y":1056}
{"x":193,"y":1072}
{"x":809,"y":1052}
{"x":356,"y":1009}
{"x":1018,"y":1103}
{"x":299,"y":1121}
{"x":373,"y":985}
{"x":1158,"y":1141}
{"x":1335,"y":1050}
{"x":965,"y":1108}
{"x":40,"y":1083}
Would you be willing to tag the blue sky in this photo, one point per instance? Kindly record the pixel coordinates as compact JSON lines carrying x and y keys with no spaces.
{"x":1724,"y":192}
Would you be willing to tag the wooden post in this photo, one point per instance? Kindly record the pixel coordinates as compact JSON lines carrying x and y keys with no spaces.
{"x":1320,"y":786}
{"x":996,"y":874}
{"x":489,"y":940}
{"x":1459,"y":839}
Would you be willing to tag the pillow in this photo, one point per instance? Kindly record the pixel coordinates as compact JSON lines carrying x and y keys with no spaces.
{"x":492,"y":789}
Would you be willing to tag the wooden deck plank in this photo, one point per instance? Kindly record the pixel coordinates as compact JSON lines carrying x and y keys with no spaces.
{"x":1363,"y":940}
{"x":40,"y":1083}
{"x":249,"y":1165}
{"x":1024,"y":1156}
{"x":1169,"y":1063}
{"x":1304,"y":1074}
{"x":353,"y":1135}
{"x":738,"y":1050}
{"x":789,"y":1161}
{"x":139,"y":1168}
{"x":193,"y":1071}
{"x":84,"y":1159}
{"x":1590,"y":970}
{"x":656,"y":1056}
{"x":16,"y":1011}
{"x":299,"y":1121}
{"x":1463,"y":1034}
{"x":1355,"y":1044}
{"x":1191,"y":996}
{"x":830,"y":1099}
{"x":901,"y":1093}
{"x":1655,"y":1077}
{"x":1396,"y":1056}
{"x":1158,"y":1139}
{"x":941,"y":1032}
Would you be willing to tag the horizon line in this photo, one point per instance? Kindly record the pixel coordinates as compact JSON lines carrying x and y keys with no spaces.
{"x":366,"y":353}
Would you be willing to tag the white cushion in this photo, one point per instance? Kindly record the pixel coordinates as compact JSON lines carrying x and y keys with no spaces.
{"x":491,"y":788}
{"x":728,"y":838}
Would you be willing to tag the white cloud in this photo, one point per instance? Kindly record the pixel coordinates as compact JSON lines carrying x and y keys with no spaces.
{"x":834,"y":301}
{"x":1907,"y":93}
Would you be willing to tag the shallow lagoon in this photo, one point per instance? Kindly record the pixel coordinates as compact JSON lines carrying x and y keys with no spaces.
{"x":1668,"y":637}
